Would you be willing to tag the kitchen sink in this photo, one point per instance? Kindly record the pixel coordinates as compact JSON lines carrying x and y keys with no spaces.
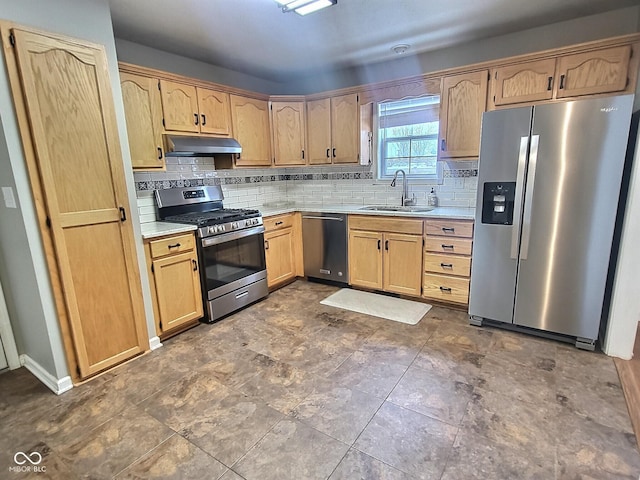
{"x":385,"y":208}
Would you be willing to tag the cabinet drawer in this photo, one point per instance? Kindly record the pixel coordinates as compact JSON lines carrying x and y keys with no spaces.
{"x":446,"y":289}
{"x":385,"y":224}
{"x":447,"y":264}
{"x":280,"y":221}
{"x":449,"y":228}
{"x":170,"y":245}
{"x":458,"y":246}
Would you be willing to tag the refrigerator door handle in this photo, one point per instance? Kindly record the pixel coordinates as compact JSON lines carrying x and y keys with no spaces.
{"x":517,"y":207}
{"x":531,"y":175}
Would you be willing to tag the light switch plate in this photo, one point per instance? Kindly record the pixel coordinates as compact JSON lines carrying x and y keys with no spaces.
{"x":9,"y":199}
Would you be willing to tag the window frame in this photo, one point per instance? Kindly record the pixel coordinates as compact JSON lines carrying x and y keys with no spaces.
{"x":380,"y":144}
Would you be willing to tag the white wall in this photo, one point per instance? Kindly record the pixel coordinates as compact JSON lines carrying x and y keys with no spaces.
{"x":23,"y":270}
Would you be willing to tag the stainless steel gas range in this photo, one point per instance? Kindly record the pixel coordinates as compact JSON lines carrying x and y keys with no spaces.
{"x":230,"y":247}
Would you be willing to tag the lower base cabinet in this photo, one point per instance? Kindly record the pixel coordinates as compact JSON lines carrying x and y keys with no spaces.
{"x":283,"y":248}
{"x":386,"y":254}
{"x":447,"y":260}
{"x":175,"y":283}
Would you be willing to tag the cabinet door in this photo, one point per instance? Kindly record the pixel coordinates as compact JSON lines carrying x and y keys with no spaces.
{"x":525,"y":82}
{"x":319,"y":131}
{"x":345,"y":129}
{"x":81,"y":170}
{"x":365,"y":259}
{"x":462,"y":104}
{"x":287,"y":121}
{"x":180,"y":107}
{"x":402,"y":263}
{"x":177,"y":289}
{"x":143,"y":112}
{"x":279,"y":255}
{"x":601,"y":71}
{"x":250,"y":118}
{"x":215,"y":113}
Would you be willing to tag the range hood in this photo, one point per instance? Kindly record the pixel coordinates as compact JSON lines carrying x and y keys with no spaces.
{"x":184,"y":146}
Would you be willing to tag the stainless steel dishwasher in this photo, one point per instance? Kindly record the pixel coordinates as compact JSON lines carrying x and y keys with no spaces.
{"x":324,"y":237}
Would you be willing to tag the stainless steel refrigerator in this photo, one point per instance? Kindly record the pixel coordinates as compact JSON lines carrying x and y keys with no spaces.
{"x":548,"y":189}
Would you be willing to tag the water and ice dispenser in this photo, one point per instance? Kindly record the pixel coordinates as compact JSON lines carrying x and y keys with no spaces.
{"x":497,"y":202}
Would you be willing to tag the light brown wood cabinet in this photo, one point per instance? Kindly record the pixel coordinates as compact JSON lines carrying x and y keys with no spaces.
{"x":333,"y":130}
{"x":288,"y":128}
{"x":524,"y":82}
{"x":283,"y":248}
{"x":447,"y":260}
{"x":462,"y":104}
{"x":143,"y":113}
{"x":195,"y":109}
{"x":250,"y":120}
{"x":77,"y":178}
{"x":590,"y":73}
{"x":385,"y":253}
{"x":175,"y":283}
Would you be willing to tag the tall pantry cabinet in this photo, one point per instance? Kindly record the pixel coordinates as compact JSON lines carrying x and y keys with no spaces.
{"x":66,"y":115}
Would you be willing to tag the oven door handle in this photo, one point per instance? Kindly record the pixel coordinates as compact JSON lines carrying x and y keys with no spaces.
{"x":226,"y":237}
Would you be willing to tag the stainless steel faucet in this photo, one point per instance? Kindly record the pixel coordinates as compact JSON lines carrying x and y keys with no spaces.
{"x":405,"y":200}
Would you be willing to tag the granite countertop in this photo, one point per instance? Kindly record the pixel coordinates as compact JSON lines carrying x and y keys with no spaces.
{"x":160,"y":229}
{"x":439,"y":212}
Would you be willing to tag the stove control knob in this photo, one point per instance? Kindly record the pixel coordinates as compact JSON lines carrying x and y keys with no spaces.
{"x":210,"y":230}
{"x":222,"y":228}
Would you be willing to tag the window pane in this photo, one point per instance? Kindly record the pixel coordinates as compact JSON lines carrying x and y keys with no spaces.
{"x":408,"y":137}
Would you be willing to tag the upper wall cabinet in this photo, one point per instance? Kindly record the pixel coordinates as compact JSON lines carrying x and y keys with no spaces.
{"x":524,"y":82}
{"x":194,"y":109}
{"x":334,"y":130}
{"x":250,"y":118}
{"x":599,"y":71}
{"x":288,"y":128}
{"x":143,"y":112}
{"x":590,"y":73}
{"x":319,"y":131}
{"x":462,"y":103}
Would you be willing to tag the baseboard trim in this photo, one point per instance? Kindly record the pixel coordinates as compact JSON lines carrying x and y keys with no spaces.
{"x":57,"y":386}
{"x":154,"y":343}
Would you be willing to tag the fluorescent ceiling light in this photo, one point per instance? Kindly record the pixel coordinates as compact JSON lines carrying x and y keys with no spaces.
{"x":303,"y":7}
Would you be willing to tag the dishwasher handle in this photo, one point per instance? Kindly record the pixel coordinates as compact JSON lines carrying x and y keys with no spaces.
{"x":311,"y":217}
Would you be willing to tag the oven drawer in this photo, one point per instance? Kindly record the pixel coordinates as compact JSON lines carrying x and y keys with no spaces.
{"x":446,"y":289}
{"x":171,"y":245}
{"x":278,"y":222}
{"x":447,"y":264}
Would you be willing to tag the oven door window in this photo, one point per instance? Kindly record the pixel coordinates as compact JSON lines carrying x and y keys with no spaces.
{"x":232,"y":260}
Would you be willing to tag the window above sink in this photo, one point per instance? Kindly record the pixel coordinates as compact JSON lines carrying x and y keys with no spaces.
{"x":407,"y":138}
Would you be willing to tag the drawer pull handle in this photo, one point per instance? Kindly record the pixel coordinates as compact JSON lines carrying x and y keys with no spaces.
{"x":175,"y":245}
{"x":204,"y":119}
{"x":447,"y":246}
{"x":328,"y":153}
{"x":159,"y":153}
{"x":243,"y":294}
{"x":278,"y":223}
{"x":195,"y":265}
{"x":196,"y":117}
{"x":448,"y":229}
{"x":379,"y":244}
{"x":446,"y":265}
{"x":266,"y":244}
{"x":561,"y":82}
{"x":445,"y":289}
{"x":386,"y":244}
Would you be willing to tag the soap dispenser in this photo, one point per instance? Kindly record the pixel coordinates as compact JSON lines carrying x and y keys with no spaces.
{"x":432,"y":198}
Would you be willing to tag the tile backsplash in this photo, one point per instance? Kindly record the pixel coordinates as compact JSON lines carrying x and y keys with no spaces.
{"x":310,"y":186}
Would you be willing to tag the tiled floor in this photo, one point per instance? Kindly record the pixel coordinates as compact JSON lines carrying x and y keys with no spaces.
{"x":291,"y":389}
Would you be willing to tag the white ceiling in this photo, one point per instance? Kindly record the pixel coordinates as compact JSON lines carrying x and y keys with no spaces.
{"x":255,"y":37}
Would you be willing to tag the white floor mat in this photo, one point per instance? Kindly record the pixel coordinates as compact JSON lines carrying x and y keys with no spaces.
{"x":390,"y":308}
